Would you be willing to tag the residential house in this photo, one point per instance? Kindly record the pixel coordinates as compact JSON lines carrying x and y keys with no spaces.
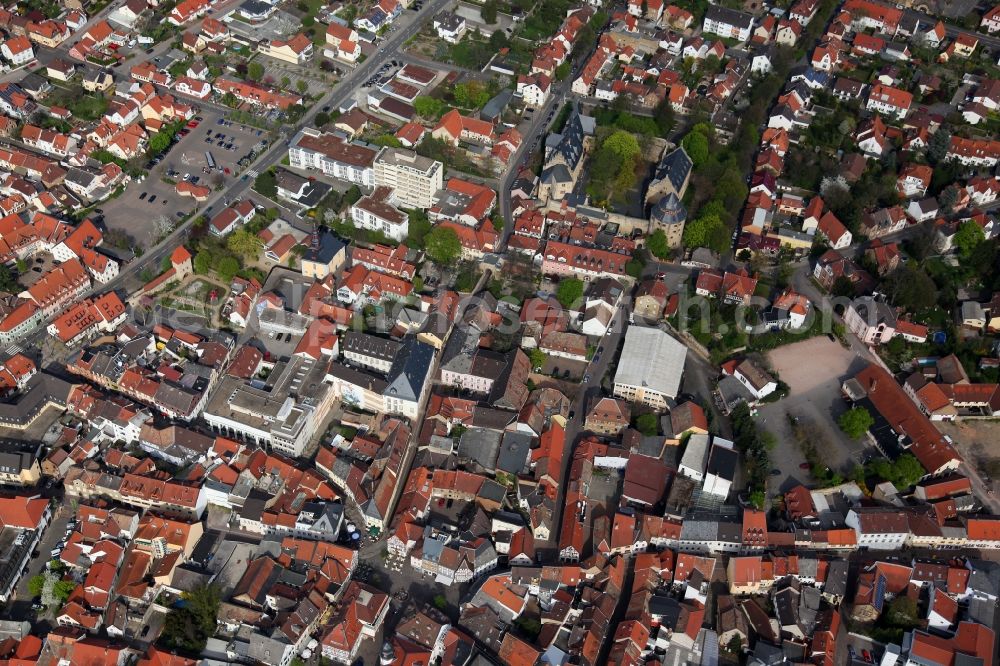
{"x":728,"y":23}
{"x":890,"y":101}
{"x":873,"y":321}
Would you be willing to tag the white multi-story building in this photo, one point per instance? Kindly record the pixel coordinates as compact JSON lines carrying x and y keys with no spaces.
{"x":377,"y":212}
{"x":370,"y":351}
{"x":413,"y":178}
{"x":879,"y":529}
{"x":728,"y":23}
{"x":333,"y":156}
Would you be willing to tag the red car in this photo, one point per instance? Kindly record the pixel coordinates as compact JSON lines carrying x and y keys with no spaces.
{"x":804,"y":466}
{"x":192,"y":124}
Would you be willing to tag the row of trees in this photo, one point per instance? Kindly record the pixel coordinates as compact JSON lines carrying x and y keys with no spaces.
{"x":719,"y":189}
{"x":755,"y":447}
{"x":618,"y":116}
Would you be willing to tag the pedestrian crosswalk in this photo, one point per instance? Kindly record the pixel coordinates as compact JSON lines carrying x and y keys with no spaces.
{"x":253,"y":173}
{"x":13,"y":350}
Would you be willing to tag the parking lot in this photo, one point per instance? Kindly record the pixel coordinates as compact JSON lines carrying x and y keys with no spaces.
{"x":863,"y":650}
{"x":146,"y":207}
{"x":814,"y":370}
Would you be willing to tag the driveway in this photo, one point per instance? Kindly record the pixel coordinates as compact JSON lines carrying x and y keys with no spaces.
{"x":814,"y":370}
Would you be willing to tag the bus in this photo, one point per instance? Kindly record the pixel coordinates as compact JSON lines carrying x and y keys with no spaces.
{"x":210,"y":160}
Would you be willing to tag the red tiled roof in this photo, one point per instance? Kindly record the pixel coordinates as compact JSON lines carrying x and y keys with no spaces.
{"x":928,"y":444}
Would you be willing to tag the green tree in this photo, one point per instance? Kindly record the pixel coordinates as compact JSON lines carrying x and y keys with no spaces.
{"x":701,"y":231}
{"x":62,"y":589}
{"x":203,"y":262}
{"x":286,"y":83}
{"x":731,"y":189}
{"x":35,"y":585}
{"x":498,"y":40}
{"x":387,"y":140}
{"x":189,"y":627}
{"x":843,"y":287}
{"x":244,"y":243}
{"x":428,"y":107}
{"x":623,"y":144}
{"x":663,"y":114}
{"x":902,"y":472}
{"x":968,"y":237}
{"x":442,"y":245}
{"x":159,"y":143}
{"x":471,"y":95}
{"x":419,"y":226}
{"x":537,"y":357}
{"x":696,"y":146}
{"x":938,"y":146}
{"x":440,"y":602}
{"x":322,"y":118}
{"x":266,"y":184}
{"x":647,"y":424}
{"x":569,"y":293}
{"x":562,"y":71}
{"x":228,"y":268}
{"x":529,"y":625}
{"x":634,"y":268}
{"x":8,"y":282}
{"x":489,"y":12}
{"x":912,"y":288}
{"x":902,"y":612}
{"x":255,"y":71}
{"x":657,"y":244}
{"x":352,"y":195}
{"x":855,"y":422}
{"x":302,"y":86}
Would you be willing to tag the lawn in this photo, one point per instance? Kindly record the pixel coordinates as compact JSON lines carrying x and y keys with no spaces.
{"x":83,"y":105}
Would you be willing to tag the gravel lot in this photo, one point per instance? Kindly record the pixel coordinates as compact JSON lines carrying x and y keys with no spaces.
{"x":814,"y":370}
{"x":977,"y":442}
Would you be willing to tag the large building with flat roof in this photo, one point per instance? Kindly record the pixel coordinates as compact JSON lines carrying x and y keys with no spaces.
{"x":282,"y":411}
{"x":414,"y":178}
{"x":650,"y":367}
